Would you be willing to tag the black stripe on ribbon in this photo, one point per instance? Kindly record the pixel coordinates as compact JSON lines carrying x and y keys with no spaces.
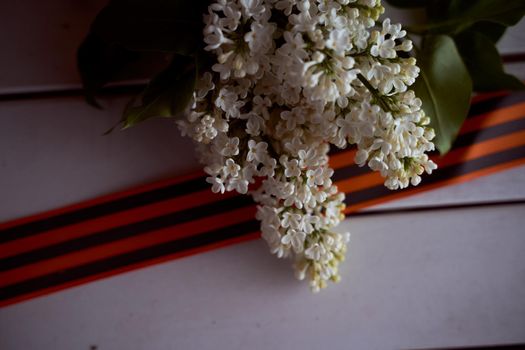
{"x":440,"y":174}
{"x":173,"y":191}
{"x":497,"y":102}
{"x":492,"y":132}
{"x":123,"y":260}
{"x":102,"y":209}
{"x":464,"y":140}
{"x":221,"y":206}
{"x":222,"y":234}
{"x":125,"y":231}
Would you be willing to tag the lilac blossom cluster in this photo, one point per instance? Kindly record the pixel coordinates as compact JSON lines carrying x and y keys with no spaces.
{"x":291,"y":78}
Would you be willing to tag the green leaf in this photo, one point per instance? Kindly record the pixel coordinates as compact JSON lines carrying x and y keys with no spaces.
{"x":444,"y":86}
{"x":407,"y":3}
{"x":167,"y":95}
{"x":98,"y":62}
{"x":153,"y":25}
{"x":454,"y":16}
{"x":484,"y":63}
{"x":508,"y":12}
{"x":438,"y":9}
{"x":493,"y":31}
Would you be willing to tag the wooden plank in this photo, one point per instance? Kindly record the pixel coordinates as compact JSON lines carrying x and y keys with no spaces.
{"x":39,"y":40}
{"x":504,"y":186}
{"x":426,"y":280}
{"x":516,"y":68}
{"x":514,"y":39}
{"x":52,"y":153}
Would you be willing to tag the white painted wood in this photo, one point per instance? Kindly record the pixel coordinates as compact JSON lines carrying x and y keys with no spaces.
{"x":445,"y":278}
{"x":39,"y":40}
{"x":52,"y":153}
{"x":517,"y":69}
{"x":502,"y":186}
{"x":514,"y":39}
{"x":452,"y":278}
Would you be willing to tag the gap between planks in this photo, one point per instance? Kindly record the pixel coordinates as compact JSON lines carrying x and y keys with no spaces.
{"x":134,"y":87}
{"x":451,"y":206}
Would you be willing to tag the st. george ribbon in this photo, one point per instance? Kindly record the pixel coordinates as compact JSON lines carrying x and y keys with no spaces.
{"x":177,"y":217}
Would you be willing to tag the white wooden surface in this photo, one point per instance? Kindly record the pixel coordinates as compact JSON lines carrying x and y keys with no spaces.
{"x":411,"y":281}
{"x":39,"y":41}
{"x":428,"y":279}
{"x":53,"y":153}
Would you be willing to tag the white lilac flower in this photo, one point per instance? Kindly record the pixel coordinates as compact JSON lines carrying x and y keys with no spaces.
{"x":217,"y":184}
{"x":295,"y":239}
{"x":291,"y":78}
{"x":256,"y":151}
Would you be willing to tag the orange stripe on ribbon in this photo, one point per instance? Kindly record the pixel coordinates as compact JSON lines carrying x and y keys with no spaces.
{"x":126,"y":245}
{"x":171,"y":234}
{"x":464,"y":154}
{"x":98,"y":224}
{"x":423,"y":188}
{"x":342,"y":159}
{"x":103,"y":199}
{"x":482,"y":149}
{"x":131,"y":267}
{"x":493,"y":118}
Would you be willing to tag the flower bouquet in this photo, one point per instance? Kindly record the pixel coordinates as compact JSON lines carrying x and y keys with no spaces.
{"x":266,"y":87}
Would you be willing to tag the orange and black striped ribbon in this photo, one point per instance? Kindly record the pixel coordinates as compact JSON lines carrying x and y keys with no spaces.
{"x":178,"y":217}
